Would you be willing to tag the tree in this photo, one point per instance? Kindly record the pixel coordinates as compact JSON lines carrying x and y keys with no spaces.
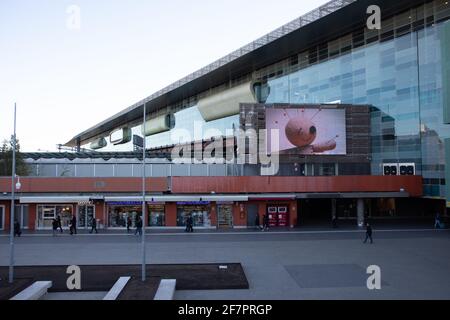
{"x":6,"y":156}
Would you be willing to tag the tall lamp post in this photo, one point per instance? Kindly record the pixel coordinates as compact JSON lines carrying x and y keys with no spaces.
{"x":144,"y":276}
{"x":13,"y":189}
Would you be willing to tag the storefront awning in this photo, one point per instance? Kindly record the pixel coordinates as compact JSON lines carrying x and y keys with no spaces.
{"x":225,"y":198}
{"x":271,"y":196}
{"x":354,"y":195}
{"x":154,"y":199}
{"x":180,"y":198}
{"x":50,"y":200}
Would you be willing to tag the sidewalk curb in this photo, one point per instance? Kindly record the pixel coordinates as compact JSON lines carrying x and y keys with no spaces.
{"x":49,"y":235}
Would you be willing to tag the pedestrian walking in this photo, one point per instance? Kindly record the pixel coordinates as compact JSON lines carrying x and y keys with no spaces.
{"x":94,"y":226}
{"x":266,"y":222}
{"x":369,"y":232}
{"x":186,"y":222}
{"x":334,"y":222}
{"x":55,"y":227}
{"x":58,"y":220}
{"x":437,"y":221}
{"x":189,"y":224}
{"x":73,"y":225}
{"x":138,"y":226}
{"x":129,"y":224}
{"x":257,"y":223}
{"x":17,"y":229}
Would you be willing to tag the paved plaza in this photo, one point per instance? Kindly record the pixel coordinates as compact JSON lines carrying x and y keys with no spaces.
{"x":414,"y":263}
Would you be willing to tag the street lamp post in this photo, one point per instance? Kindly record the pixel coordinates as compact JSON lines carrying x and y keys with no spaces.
{"x":144,"y":277}
{"x":13,"y":189}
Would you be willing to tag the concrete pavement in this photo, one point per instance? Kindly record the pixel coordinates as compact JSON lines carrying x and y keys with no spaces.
{"x":324,"y":264}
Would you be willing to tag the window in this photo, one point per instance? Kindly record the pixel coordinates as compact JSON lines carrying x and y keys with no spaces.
{"x":156,"y":215}
{"x":46,"y":214}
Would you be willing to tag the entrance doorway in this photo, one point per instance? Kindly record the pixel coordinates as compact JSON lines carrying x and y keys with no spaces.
{"x":315,"y":211}
{"x":85,"y":216}
{"x":2,"y":217}
{"x":225,"y":216}
{"x":252,"y":212}
{"x":21,"y":215}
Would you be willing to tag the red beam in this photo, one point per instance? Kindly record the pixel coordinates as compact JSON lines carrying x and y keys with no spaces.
{"x":81,"y":185}
{"x":411,"y":184}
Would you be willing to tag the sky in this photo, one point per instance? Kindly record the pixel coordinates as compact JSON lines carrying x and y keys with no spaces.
{"x":71,"y":64}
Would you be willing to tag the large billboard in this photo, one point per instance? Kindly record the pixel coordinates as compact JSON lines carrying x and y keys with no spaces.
{"x":308,"y":131}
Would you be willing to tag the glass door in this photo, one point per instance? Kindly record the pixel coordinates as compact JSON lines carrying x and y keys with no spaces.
{"x":21,"y":215}
{"x":225,"y":216}
{"x":85,"y":216}
{"x":2,"y":218}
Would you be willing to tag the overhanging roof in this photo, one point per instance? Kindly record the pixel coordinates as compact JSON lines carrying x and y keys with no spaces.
{"x":329,"y":21}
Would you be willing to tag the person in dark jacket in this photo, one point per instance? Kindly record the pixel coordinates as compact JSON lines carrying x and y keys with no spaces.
{"x":58,"y":220}
{"x":437,"y":221}
{"x":186,"y":222}
{"x":138,"y":226}
{"x":189,"y":224}
{"x":129,"y":224}
{"x":55,"y":226}
{"x":369,"y":232}
{"x":94,"y":226}
{"x":73,"y":225}
{"x":266,"y":222}
{"x":17,"y":231}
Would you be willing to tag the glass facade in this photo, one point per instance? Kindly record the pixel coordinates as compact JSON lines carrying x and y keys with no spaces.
{"x":189,"y":126}
{"x":398,"y":70}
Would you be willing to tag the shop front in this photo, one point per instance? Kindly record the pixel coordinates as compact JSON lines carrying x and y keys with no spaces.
{"x":199,"y":211}
{"x":156,"y":214}
{"x":119,"y":212}
{"x":47,"y":212}
{"x":224,"y":215}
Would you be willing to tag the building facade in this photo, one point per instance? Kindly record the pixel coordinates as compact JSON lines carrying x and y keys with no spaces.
{"x":384,"y":92}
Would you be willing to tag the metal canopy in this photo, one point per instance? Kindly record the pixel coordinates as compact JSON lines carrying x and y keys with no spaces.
{"x":51,"y":200}
{"x":353,"y":195}
{"x":327,"y":22}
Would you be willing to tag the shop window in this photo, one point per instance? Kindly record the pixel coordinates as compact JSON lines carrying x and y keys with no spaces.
{"x":118,"y":215}
{"x":46,"y":214}
{"x":200,"y":212}
{"x":156,"y":215}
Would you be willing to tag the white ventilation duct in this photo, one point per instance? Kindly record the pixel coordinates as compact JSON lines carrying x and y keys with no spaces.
{"x":99,"y":144}
{"x":226,"y":103}
{"x":120,"y":136}
{"x":158,"y":125}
